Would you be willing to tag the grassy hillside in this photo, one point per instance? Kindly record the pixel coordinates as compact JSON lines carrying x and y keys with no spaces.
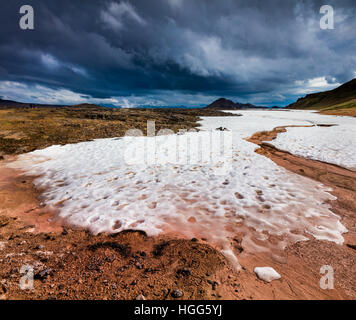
{"x":341,"y":100}
{"x":343,"y":109}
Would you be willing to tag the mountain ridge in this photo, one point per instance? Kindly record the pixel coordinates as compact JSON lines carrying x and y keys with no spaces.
{"x":15,"y":104}
{"x":227,"y":104}
{"x":327,"y":99}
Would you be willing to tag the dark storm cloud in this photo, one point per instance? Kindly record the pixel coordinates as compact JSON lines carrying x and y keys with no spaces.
{"x":263,"y":51}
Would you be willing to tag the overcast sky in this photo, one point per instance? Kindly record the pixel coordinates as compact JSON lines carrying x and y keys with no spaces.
{"x":174,"y":52}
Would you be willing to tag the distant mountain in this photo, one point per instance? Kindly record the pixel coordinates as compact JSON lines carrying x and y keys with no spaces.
{"x":226,"y":104}
{"x":221,"y":103}
{"x":341,"y":97}
{"x":15,"y":104}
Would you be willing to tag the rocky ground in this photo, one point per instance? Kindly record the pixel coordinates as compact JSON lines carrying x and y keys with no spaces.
{"x":342,"y":112}
{"x":74,"y":264}
{"x":25,"y":129}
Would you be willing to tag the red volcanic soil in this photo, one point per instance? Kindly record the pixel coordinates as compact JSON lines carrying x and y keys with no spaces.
{"x":74,"y":264}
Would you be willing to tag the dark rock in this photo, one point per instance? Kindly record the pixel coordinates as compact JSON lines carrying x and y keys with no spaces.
{"x":13,"y":236}
{"x":222,"y":129}
{"x":158,"y":249}
{"x":109,"y":259}
{"x":94,"y":265}
{"x":184,"y":272}
{"x":43,"y":274}
{"x":48,"y":237}
{"x":238,"y":195}
{"x":214,"y":284}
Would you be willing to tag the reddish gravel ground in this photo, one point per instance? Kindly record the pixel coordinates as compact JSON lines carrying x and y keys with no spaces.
{"x":73,"y":264}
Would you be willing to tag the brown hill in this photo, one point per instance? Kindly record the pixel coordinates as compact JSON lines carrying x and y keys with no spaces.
{"x":4,"y":104}
{"x":226,"y":104}
{"x":341,"y":97}
{"x":15,"y":104}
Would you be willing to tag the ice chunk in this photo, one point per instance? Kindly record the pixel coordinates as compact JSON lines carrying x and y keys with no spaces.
{"x":267,"y":274}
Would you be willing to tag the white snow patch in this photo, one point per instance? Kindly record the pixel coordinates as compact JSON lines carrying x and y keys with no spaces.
{"x":97,"y":185}
{"x":336,"y":145}
{"x":267,"y":274}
